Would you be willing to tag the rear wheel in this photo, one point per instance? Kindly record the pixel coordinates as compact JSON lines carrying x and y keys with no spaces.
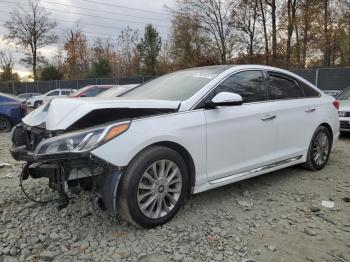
{"x":153,"y":188}
{"x":319,"y":149}
{"x":5,"y":124}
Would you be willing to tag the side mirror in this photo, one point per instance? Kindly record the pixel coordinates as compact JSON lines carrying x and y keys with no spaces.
{"x":225,"y":99}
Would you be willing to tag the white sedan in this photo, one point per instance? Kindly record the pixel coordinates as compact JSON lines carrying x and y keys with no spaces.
{"x":180,"y":134}
{"x":36,"y":101}
{"x":344,"y":110}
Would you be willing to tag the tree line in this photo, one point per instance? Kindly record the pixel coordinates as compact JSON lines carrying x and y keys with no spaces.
{"x":292,"y":34}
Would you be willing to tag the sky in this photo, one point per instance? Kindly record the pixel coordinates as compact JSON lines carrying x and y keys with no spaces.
{"x":97,"y":18}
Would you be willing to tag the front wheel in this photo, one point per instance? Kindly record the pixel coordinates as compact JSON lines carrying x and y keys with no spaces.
{"x":153,"y":188}
{"x":319,"y":149}
{"x":5,"y":124}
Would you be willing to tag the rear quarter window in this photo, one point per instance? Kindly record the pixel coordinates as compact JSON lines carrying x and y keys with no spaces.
{"x":283,"y":87}
{"x":309,"y":91}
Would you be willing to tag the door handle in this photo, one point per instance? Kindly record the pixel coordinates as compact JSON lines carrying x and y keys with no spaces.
{"x":268,"y":118}
{"x":310,"y":110}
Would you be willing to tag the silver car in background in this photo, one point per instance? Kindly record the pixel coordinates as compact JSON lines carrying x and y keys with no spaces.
{"x":344,"y":110}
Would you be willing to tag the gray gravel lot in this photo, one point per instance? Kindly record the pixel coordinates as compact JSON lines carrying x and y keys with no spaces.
{"x":275,"y":217}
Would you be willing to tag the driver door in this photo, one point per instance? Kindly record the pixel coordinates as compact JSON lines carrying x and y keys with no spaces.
{"x":240,"y":138}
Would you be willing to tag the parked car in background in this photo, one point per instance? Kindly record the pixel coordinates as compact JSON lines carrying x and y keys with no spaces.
{"x":179,"y":134}
{"x":117,"y":90}
{"x":36,"y":101}
{"x":12,"y":110}
{"x":344,"y":110}
{"x":333,"y":93}
{"x":90,"y":91}
{"x":26,"y":96}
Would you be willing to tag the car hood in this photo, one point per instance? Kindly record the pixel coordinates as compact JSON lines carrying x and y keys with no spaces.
{"x":59,"y":114}
{"x":344,"y":105}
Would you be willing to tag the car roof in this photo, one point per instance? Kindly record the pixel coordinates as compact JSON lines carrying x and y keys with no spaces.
{"x":227,"y":70}
{"x":212,"y":67}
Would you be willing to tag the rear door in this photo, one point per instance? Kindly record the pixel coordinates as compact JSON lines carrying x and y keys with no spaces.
{"x":295,"y":108}
{"x":240,"y":138}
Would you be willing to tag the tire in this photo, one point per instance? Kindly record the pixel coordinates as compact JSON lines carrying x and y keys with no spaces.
{"x":37,"y":104}
{"x":135,"y":184}
{"x":5,"y":124}
{"x":312,"y":162}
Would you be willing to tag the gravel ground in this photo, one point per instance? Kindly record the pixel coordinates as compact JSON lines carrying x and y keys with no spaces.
{"x":275,"y":217}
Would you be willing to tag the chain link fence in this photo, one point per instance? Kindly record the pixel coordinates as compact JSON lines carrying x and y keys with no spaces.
{"x":327,"y":78}
{"x":45,"y":86}
{"x":324,"y":78}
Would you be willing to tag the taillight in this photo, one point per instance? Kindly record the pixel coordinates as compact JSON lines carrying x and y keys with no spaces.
{"x":336,"y":104}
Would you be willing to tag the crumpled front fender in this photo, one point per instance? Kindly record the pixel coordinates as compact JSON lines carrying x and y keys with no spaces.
{"x":109,"y":190}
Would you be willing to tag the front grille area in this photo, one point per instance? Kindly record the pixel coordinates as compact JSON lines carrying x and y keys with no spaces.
{"x":344,"y":124}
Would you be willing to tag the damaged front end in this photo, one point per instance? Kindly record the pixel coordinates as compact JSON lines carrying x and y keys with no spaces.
{"x":56,"y":141}
{"x":65,"y":159}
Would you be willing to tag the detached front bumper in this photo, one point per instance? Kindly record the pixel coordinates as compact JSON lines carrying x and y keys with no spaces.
{"x":21,"y":154}
{"x":68,"y":172}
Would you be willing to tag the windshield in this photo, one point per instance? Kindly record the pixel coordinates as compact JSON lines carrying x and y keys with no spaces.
{"x":177,"y":86}
{"x":345,"y":95}
{"x":116,"y":91}
{"x":77,"y":92}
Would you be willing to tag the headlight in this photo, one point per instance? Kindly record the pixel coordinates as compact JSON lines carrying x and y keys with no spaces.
{"x":77,"y":142}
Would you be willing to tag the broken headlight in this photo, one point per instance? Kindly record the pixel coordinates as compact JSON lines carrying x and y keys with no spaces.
{"x":77,"y":142}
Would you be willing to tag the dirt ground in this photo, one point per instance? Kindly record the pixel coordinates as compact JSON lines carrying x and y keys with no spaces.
{"x":274,"y":217}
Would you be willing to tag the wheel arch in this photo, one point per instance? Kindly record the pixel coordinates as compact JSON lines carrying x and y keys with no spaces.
{"x":326,"y":125}
{"x":184,"y":153}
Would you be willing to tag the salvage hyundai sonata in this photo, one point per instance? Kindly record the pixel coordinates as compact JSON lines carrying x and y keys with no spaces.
{"x":180,"y":134}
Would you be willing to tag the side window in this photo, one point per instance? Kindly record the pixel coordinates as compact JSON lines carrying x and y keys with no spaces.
{"x":249,"y":84}
{"x":65,"y":93}
{"x":309,"y":91}
{"x":281,"y":87}
{"x":100,"y":90}
{"x":91,"y":92}
{"x":54,"y":93}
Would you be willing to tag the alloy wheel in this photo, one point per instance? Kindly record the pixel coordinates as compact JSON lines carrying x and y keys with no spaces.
{"x":320,"y":148}
{"x":159,"y":189}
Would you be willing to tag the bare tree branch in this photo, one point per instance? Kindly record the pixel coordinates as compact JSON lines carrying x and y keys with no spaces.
{"x":31,"y":28}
